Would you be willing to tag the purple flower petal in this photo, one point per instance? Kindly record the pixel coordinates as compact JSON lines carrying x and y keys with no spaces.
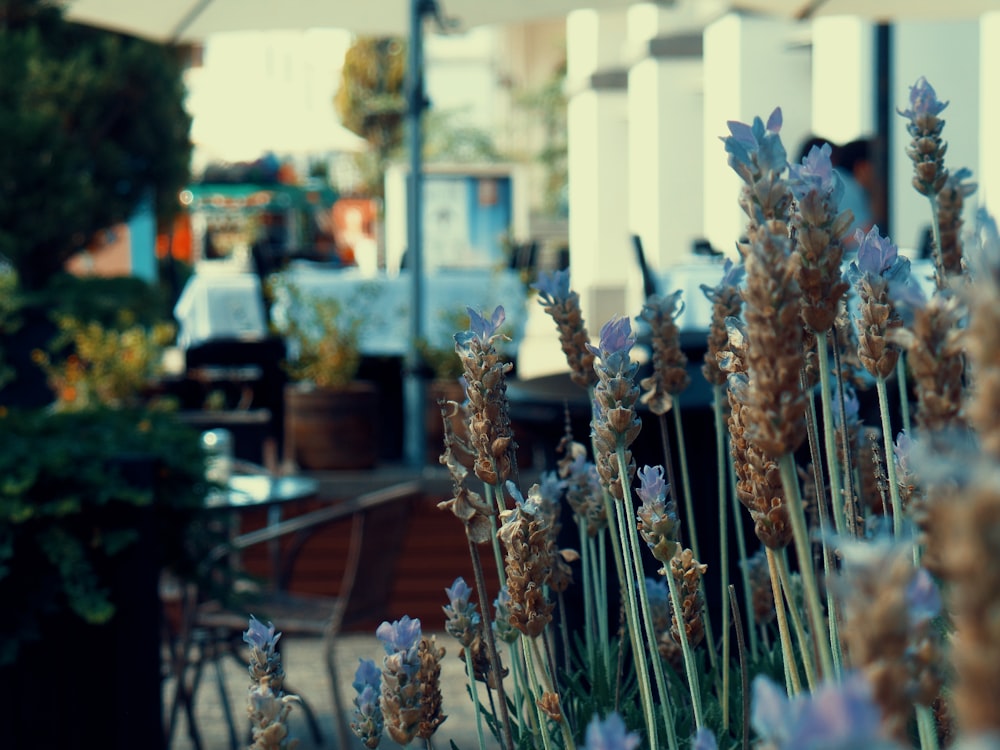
{"x":610,"y":734}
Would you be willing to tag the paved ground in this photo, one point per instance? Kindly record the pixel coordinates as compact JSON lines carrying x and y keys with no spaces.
{"x":306,"y":675}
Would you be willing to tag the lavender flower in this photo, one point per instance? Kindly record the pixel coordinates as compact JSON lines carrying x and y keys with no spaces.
{"x":267,"y":704}
{"x":553,"y":288}
{"x":502,"y":627}
{"x":367,"y":723}
{"x":265,"y":661}
{"x":657,"y":515}
{"x":815,"y":174}
{"x":481,"y":328}
{"x":923,"y":101}
{"x":835,"y":716}
{"x":610,"y":734}
{"x":923,"y":599}
{"x":402,"y":692}
{"x":463,"y":620}
{"x":755,"y":148}
{"x":260,"y":638}
{"x":704,"y":740}
{"x":877,"y":256}
{"x":615,"y":345}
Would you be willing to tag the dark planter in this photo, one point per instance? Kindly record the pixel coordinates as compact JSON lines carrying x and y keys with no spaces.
{"x":85,"y":686}
{"x":331,"y":429}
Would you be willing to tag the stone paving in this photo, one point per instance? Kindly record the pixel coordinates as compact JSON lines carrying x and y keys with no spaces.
{"x":306,"y":675}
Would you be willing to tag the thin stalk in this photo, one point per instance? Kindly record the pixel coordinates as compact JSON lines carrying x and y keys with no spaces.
{"x":599,"y":577}
{"x":535,"y":694}
{"x":829,"y":436}
{"x":689,"y":505}
{"x":890,"y":464}
{"x":564,"y":727}
{"x":845,"y":446}
{"x":497,"y":554}
{"x":741,"y":648}
{"x":793,"y":685}
{"x":904,"y":397}
{"x":629,"y":517}
{"x":741,"y":546}
{"x":689,"y":666}
{"x":626,"y":577}
{"x":926,"y":728}
{"x":491,"y":646}
{"x":800,"y":534}
{"x":586,"y":553}
{"x":805,"y":649}
{"x":475,"y":699}
{"x":720,"y":471}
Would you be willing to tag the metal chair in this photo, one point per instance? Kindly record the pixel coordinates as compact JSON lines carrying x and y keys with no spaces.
{"x":213,"y":629}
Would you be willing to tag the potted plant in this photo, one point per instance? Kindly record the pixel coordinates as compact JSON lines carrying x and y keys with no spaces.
{"x":330,"y":416}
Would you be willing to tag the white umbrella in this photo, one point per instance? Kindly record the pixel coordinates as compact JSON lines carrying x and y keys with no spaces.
{"x":193,"y":20}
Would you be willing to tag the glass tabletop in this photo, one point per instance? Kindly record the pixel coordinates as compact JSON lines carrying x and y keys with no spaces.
{"x":249,"y":490}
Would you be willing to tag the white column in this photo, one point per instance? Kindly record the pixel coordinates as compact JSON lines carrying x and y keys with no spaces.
{"x":989,"y":114}
{"x":843,"y":65}
{"x":601,"y":260}
{"x":752,"y":65}
{"x":666,"y":128}
{"x":947,"y":54}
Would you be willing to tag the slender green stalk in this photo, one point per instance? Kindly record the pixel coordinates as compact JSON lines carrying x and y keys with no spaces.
{"x":805,"y":649}
{"x":689,"y":505}
{"x":741,"y":546}
{"x":586,"y":553}
{"x":628,"y":516}
{"x":549,"y":684}
{"x":793,"y":685}
{"x":741,"y":648}
{"x":926,"y":728}
{"x":626,"y":578}
{"x":800,"y":534}
{"x":829,"y":436}
{"x":497,"y":554}
{"x":904,"y":396}
{"x":535,"y":693}
{"x":475,"y":700}
{"x":890,"y":464}
{"x":936,"y":250}
{"x":689,"y":666}
{"x":599,"y":560}
{"x":720,"y":471}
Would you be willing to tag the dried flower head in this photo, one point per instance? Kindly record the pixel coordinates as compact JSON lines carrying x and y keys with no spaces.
{"x":584,"y":493}
{"x":615,"y":422}
{"x":669,"y":376}
{"x":658,"y":522}
{"x":926,"y":150}
{"x":983,"y":341}
{"x":402,"y":692}
{"x":429,"y":677}
{"x":267,"y":705}
{"x":563,"y":305}
{"x":462,"y":621}
{"x":950,"y":203}
{"x":485,"y":375}
{"x":528,"y":559}
{"x":727,"y":302}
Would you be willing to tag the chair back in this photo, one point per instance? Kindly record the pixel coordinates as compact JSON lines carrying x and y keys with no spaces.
{"x":377,"y":532}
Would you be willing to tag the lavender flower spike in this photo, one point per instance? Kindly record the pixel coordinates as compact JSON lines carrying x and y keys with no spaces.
{"x":399,"y":636}
{"x":463,"y":620}
{"x":923,"y":101}
{"x":261,"y":638}
{"x":480,"y":327}
{"x":616,"y":344}
{"x":367,"y":722}
{"x":610,"y":734}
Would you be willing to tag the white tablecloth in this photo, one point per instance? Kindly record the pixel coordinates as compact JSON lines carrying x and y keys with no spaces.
{"x":220,"y":305}
{"x":385,"y":302}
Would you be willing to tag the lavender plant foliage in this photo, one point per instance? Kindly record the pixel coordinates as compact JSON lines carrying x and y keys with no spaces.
{"x":610,"y":734}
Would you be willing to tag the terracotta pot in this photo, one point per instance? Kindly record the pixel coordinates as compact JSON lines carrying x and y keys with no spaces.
{"x":332,"y":429}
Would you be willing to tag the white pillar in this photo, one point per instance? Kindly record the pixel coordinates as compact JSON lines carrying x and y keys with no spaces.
{"x":843,"y":65}
{"x":989,"y":114}
{"x":947,"y":54}
{"x":601,"y":261}
{"x":752,"y":65}
{"x":665,"y":119}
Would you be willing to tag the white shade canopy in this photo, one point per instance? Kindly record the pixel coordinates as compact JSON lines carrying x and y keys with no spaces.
{"x":876,"y":10}
{"x":193,"y":20}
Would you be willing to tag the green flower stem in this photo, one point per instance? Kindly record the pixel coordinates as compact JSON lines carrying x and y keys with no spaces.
{"x":800,"y":632}
{"x":904,"y":398}
{"x":890,"y":463}
{"x":720,"y":471}
{"x":491,"y":645}
{"x":689,"y":506}
{"x":535,"y":693}
{"x":497,"y":554}
{"x":602,"y":596}
{"x":549,"y":684}
{"x":829,"y":436}
{"x":689,"y":666}
{"x":518,"y":670}
{"x":926,"y":728}
{"x":474,"y":694}
{"x":741,"y":543}
{"x":793,"y":685}
{"x":800,"y":534}
{"x":586,"y":555}
{"x":627,"y":510}
{"x":626,"y":577}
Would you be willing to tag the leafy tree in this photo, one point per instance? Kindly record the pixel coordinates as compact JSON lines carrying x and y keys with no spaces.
{"x":371,"y":101}
{"x":92,"y":123}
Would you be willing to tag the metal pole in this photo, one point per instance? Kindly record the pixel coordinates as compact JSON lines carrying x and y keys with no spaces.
{"x":414,"y":386}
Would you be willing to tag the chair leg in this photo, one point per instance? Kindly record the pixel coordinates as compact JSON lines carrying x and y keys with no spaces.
{"x":220,"y":680}
{"x":339,"y":718}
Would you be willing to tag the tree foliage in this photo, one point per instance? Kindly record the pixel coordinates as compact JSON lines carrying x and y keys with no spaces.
{"x":92,"y":123}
